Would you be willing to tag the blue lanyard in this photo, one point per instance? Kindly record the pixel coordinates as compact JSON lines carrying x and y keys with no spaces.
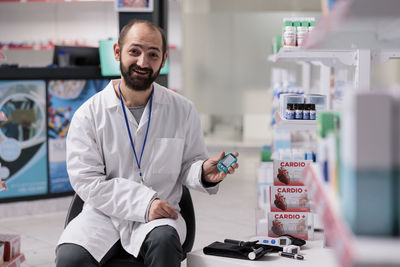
{"x":138,"y":162}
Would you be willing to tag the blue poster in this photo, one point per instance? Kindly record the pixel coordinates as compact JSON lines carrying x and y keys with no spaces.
{"x":64,"y":98}
{"x":23,"y":146}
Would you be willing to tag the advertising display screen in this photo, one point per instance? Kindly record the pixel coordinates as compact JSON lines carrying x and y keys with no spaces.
{"x":64,"y":98}
{"x":23,"y":146}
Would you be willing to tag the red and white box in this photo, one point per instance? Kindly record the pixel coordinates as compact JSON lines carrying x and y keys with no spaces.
{"x":289,"y":172}
{"x":292,"y":223}
{"x":290,"y":199}
{"x":16,"y":261}
{"x":12,"y":245}
{"x":1,"y":254}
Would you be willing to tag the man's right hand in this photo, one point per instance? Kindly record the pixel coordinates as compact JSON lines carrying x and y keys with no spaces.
{"x":161,"y":209}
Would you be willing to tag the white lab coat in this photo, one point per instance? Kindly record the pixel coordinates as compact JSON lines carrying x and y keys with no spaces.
{"x":103,"y":171}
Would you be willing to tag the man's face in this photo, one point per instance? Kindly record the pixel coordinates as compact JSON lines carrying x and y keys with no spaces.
{"x":141,"y":57}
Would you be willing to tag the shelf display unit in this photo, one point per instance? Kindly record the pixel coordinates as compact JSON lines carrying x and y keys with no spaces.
{"x":359,"y":34}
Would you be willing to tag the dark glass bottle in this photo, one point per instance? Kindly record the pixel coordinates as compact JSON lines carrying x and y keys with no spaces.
{"x":299,"y":111}
{"x":306,"y":112}
{"x":313,"y":112}
{"x":290,"y":112}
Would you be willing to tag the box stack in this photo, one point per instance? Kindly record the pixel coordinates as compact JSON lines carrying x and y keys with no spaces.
{"x":369,"y":183}
{"x":10,"y":249}
{"x":290,"y":205}
{"x":1,"y":253}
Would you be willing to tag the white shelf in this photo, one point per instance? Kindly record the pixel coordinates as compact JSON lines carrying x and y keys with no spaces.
{"x":326,"y":57}
{"x":310,"y":125}
{"x":349,"y":249}
{"x":358,"y":24}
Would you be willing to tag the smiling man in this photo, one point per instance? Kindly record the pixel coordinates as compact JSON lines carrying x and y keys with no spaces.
{"x":130,"y":148}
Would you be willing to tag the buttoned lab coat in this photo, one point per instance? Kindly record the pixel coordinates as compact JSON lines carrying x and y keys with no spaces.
{"x":103,"y":171}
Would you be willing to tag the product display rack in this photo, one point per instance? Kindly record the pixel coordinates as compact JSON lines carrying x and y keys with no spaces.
{"x":356,"y":33}
{"x":361,"y":59}
{"x":369,"y":29}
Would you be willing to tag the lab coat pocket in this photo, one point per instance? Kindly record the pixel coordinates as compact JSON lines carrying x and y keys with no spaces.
{"x":167,"y":155}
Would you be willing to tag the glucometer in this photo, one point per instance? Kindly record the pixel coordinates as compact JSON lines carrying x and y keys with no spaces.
{"x":226,"y":162}
{"x":281,"y":241}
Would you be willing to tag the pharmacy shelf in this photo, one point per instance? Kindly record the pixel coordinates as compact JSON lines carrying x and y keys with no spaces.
{"x":356,"y":33}
{"x":349,"y":249}
{"x":361,"y":59}
{"x":49,"y":1}
{"x":26,"y":47}
{"x":281,"y":123}
{"x":358,"y":24}
{"x":49,"y":46}
{"x":325,"y":57}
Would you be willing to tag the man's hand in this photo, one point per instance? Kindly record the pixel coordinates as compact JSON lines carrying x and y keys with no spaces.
{"x":161,"y":209}
{"x":211,"y":174}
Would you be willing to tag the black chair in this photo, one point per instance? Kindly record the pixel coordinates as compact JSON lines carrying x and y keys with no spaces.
{"x":125,"y":259}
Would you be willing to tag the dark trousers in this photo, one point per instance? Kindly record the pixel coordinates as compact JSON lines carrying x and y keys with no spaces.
{"x":161,"y":248}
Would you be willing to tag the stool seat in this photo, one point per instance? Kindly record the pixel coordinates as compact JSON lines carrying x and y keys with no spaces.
{"x":124,"y":258}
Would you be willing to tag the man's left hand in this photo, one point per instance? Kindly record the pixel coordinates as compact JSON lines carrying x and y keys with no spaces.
{"x":211,"y":174}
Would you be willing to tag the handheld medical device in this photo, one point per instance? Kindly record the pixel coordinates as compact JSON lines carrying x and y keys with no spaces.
{"x":226,"y":162}
{"x":281,"y":241}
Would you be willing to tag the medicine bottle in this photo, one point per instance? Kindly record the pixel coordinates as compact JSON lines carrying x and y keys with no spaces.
{"x":312,"y":23}
{"x":306,"y":112}
{"x":299,"y":111}
{"x":290,"y":112}
{"x":302,"y":31}
{"x":313,"y":112}
{"x":289,"y":34}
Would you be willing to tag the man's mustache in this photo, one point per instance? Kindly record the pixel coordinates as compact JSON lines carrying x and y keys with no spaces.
{"x":135,"y":67}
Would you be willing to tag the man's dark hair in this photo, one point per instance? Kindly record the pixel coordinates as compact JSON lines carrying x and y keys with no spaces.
{"x":128,"y":26}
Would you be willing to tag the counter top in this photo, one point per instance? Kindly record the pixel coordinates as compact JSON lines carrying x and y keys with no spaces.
{"x":314,"y":255}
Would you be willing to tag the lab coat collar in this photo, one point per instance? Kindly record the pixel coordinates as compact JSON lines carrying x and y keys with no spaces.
{"x":112,"y":100}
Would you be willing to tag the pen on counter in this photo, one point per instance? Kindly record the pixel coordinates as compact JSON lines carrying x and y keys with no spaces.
{"x":291,"y":255}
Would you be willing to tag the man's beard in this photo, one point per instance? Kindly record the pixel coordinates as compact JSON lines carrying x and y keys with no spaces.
{"x":138,"y":83}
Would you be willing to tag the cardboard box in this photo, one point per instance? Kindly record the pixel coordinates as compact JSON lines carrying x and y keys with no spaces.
{"x":288,"y":172}
{"x":1,"y":253}
{"x":12,"y":245}
{"x":16,"y":261}
{"x":292,"y":223}
{"x":368,"y":154}
{"x":289,"y":199}
{"x":366,"y":144}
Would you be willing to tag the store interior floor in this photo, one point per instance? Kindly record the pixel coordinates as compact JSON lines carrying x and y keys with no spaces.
{"x":229,"y":214}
